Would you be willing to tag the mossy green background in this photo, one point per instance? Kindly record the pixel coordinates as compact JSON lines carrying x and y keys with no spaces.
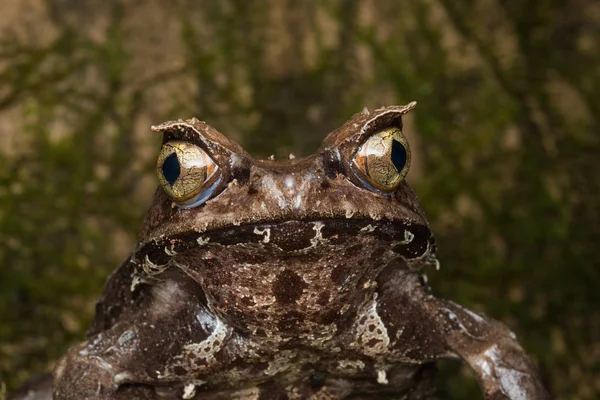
{"x":505,"y":137}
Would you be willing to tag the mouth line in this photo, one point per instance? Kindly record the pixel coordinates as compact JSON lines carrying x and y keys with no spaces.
{"x":291,"y":236}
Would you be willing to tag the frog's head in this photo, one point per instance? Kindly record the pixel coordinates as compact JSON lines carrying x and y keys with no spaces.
{"x":285,"y":244}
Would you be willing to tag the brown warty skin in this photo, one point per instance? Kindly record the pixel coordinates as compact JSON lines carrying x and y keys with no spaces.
{"x":293,"y":279}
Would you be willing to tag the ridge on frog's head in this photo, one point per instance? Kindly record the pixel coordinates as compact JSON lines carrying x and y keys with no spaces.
{"x":222,"y":216}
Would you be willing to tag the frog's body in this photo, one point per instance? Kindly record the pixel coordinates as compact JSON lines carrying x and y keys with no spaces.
{"x":286,"y":280}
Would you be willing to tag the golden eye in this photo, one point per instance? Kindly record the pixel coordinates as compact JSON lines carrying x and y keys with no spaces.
{"x":184,"y":172}
{"x":383,"y":160}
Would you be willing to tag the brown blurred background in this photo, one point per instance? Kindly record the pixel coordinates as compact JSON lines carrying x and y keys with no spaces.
{"x":506,"y":139}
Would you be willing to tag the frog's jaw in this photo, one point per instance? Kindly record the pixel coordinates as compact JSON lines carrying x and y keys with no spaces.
{"x":293,"y":278}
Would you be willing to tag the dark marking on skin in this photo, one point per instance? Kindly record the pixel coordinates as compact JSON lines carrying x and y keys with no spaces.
{"x":289,"y":321}
{"x":329,"y":317}
{"x":317,"y":379}
{"x":323,"y":298}
{"x":248,"y":302}
{"x":331,"y":164}
{"x":288,"y":287}
{"x":241,"y":172}
{"x":353,"y":251}
{"x":254,"y":184}
{"x":295,"y":236}
{"x":417,"y":246}
{"x":339,"y":274}
{"x":158,"y":258}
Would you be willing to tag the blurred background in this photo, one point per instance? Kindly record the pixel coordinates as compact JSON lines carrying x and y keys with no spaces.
{"x":505,"y":136}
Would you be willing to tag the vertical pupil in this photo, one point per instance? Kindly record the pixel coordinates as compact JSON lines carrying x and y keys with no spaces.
{"x":398,"y":155}
{"x":171,"y":168}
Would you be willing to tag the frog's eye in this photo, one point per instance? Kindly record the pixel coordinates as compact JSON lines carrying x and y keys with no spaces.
{"x":383,"y":160}
{"x":185,"y":172}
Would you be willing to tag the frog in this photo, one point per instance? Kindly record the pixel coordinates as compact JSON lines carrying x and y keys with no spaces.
{"x":301,"y":278}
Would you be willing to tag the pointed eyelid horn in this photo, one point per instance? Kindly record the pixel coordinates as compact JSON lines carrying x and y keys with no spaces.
{"x":364,"y":123}
{"x":200,"y":133}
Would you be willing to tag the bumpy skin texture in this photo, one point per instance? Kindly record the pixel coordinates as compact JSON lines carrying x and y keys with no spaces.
{"x":294,"y":281}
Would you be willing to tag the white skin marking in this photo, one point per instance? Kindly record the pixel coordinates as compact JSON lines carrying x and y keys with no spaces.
{"x":137,"y":280}
{"x":510,"y":383}
{"x":302,"y":189}
{"x":122,"y":377}
{"x":351,"y":365}
{"x":170,"y":252}
{"x":205,"y":350}
{"x":455,"y":319}
{"x":367,"y":229}
{"x":266,"y":232}
{"x":202,"y":241}
{"x":381,"y":377}
{"x":374,"y":217}
{"x":126,"y":337}
{"x":282,"y":362}
{"x":426,"y":254}
{"x":372,"y":328}
{"x":510,"y":379}
{"x":344,"y":308}
{"x":408,"y":236}
{"x":189,"y":391}
{"x":486,"y":368}
{"x":275,"y":192}
{"x":349,"y":213}
{"x":473,"y":314}
{"x":323,"y":334}
{"x":152,"y":269}
{"x":289,"y":182}
{"x":399,"y":333}
{"x":298,"y":201}
{"x":236,"y":160}
{"x":318,"y":235}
